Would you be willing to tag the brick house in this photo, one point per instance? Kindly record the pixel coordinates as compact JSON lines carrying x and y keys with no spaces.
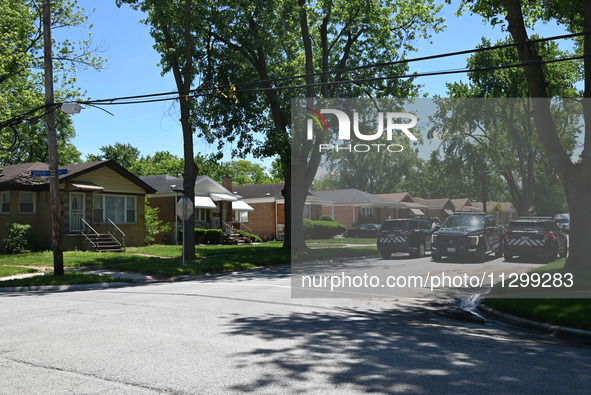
{"x":351,"y":206}
{"x":267,"y":219}
{"x":96,"y":197}
{"x":437,"y":208}
{"x":215,"y":205}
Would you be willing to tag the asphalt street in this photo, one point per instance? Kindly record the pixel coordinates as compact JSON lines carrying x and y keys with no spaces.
{"x":244,"y":333}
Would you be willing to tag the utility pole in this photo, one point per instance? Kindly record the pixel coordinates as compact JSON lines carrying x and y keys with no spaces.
{"x":484,"y":190}
{"x":54,"y":187}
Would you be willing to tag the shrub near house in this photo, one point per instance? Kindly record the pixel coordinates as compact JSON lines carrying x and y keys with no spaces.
{"x":17,"y":241}
{"x":322,"y":229}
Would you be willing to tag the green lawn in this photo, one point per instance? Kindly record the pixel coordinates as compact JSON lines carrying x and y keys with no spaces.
{"x":570,"y":312}
{"x":6,"y":271}
{"x":68,"y":279}
{"x":573,"y":313}
{"x":165,"y":260}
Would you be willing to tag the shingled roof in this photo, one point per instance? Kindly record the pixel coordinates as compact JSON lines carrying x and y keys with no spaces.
{"x":259,"y":190}
{"x":163,"y":183}
{"x":19,"y":176}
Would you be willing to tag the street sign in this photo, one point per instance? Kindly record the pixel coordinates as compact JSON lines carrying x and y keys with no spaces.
{"x":46,"y":173}
{"x":184,"y":208}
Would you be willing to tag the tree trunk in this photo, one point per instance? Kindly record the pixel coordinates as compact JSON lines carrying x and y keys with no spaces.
{"x":575,"y":178}
{"x":189,"y":178}
{"x":183,"y":74}
{"x":578,"y":190}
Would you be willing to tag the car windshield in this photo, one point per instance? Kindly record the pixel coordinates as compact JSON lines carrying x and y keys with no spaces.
{"x":391,"y":225}
{"x":464,"y":222}
{"x":562,"y":220}
{"x":527,"y":226}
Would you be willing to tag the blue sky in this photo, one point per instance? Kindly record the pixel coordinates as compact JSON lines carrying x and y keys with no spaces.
{"x":132,"y":69}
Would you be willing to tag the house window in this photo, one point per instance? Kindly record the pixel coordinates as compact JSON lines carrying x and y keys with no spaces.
{"x":241,"y":216}
{"x":5,"y":203}
{"x":365,"y":211}
{"x":27,"y":202}
{"x":201,"y":214}
{"x":119,"y":209}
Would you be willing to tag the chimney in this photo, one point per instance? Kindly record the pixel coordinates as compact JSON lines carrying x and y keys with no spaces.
{"x":227,"y":182}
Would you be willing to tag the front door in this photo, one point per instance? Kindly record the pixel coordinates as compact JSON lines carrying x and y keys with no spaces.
{"x":76,"y":212}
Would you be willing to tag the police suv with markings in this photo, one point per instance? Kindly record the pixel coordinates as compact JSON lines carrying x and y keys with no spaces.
{"x":535,"y":237}
{"x":468,"y":234}
{"x":409,"y":235}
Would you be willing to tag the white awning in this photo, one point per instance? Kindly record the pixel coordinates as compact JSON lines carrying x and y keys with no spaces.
{"x":241,"y":205}
{"x":416,"y":211}
{"x":222,"y":196}
{"x":86,"y":186}
{"x":204,"y":202}
{"x":449,"y":212}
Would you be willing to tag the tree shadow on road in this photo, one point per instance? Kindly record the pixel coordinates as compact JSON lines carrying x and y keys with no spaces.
{"x":411,"y":348}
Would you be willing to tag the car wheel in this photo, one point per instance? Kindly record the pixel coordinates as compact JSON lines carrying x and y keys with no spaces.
{"x":555,"y":254}
{"x":419,"y":252}
{"x":385,"y":254}
{"x":508,"y":257}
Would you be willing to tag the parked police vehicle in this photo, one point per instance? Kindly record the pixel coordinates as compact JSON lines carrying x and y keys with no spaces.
{"x":409,"y":235}
{"x":468,"y":234}
{"x":535,"y":237}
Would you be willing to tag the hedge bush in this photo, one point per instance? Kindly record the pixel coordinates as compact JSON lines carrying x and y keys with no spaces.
{"x":308,"y":228}
{"x":200,"y":235}
{"x":326,"y":217}
{"x":17,"y":241}
{"x":213,"y":236}
{"x":322,"y":229}
{"x":207,"y":236}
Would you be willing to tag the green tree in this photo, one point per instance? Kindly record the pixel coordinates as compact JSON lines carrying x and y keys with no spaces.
{"x":125,"y":154}
{"x":161,"y":162}
{"x":177,"y":28}
{"x":373,"y":171}
{"x":243,"y":172}
{"x":154,"y":226}
{"x":501,"y":131}
{"x":575,"y":176}
{"x":21,"y":82}
{"x":265,"y":40}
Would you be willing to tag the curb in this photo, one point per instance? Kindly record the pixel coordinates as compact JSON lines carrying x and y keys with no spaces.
{"x":42,"y":288}
{"x":578,"y":335}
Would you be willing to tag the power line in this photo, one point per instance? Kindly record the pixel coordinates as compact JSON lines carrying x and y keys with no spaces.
{"x":200,"y":92}
{"x":197,"y":91}
{"x":204,"y":91}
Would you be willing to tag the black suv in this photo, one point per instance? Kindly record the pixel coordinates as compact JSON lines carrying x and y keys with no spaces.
{"x":408,"y":235}
{"x":468,"y":234}
{"x":535,"y":237}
